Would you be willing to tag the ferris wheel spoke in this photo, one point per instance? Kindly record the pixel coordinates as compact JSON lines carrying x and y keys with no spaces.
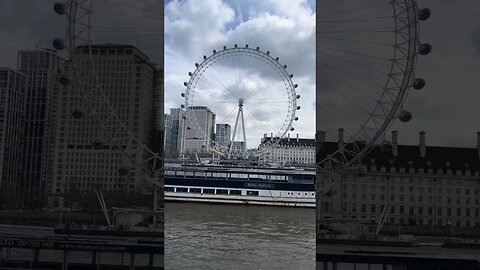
{"x":122,"y":4}
{"x":349,"y":11}
{"x":356,"y":20}
{"x":118,"y":14}
{"x":329,"y":69}
{"x":354,"y":63}
{"x":356,"y":53}
{"x":358,"y":41}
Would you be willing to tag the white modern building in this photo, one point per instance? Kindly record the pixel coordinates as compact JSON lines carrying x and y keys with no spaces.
{"x":84,"y":158}
{"x":198,"y":130}
{"x":12,"y":106}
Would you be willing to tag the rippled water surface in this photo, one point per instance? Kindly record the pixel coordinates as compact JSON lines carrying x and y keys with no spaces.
{"x":210,"y":236}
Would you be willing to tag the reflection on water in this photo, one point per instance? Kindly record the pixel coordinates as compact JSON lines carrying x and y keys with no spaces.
{"x":208,"y":236}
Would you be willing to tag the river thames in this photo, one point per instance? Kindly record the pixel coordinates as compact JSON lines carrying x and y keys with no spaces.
{"x":210,"y":236}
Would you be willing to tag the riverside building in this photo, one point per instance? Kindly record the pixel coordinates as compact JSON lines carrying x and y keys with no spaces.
{"x":292,"y":151}
{"x":42,"y":68}
{"x":83,"y":159}
{"x":12,"y":106}
{"x":419,"y":185}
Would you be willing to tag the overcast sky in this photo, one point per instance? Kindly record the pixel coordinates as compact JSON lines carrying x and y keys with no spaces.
{"x":285,"y":28}
{"x":447,"y":108}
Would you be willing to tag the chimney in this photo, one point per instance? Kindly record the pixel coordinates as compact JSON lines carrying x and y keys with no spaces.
{"x":340,"y":139}
{"x":320,"y":137}
{"x":422,"y":144}
{"x":478,"y":144}
{"x":297,"y":138}
{"x":271,"y":136}
{"x":288,"y":137}
{"x":395,"y":143}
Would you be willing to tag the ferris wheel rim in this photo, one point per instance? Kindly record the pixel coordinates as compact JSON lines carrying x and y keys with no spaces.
{"x":246,"y":51}
{"x":337,"y":162}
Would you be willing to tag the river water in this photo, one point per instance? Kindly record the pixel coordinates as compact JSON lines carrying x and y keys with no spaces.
{"x":211,"y":236}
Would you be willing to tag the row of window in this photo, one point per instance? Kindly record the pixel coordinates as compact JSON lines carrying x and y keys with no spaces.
{"x":411,"y":210}
{"x":411,"y":189}
{"x":210,"y":191}
{"x":251,"y":176}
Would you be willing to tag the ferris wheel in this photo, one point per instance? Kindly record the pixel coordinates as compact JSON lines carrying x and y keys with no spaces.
{"x":93,"y":22}
{"x":367,"y":54}
{"x":245,"y":88}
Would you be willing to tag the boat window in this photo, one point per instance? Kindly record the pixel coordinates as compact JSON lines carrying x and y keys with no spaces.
{"x":169,"y":189}
{"x":195,"y":190}
{"x":252,"y":193}
{"x":208,"y":191}
{"x":220,"y":175}
{"x":188,"y":173}
{"x":222,"y":191}
{"x":251,"y":176}
{"x":200,"y":174}
{"x":235,"y":192}
{"x":169,"y":172}
{"x":181,"y":189}
{"x":238,"y":175}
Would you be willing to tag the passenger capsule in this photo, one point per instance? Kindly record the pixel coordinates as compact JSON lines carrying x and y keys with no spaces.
{"x":189,"y":73}
{"x":296,"y":118}
{"x":58,"y":44}
{"x":418,"y":83}
{"x":196,"y":64}
{"x":298,"y":107}
{"x":235,"y":45}
{"x":405,"y":116}
{"x":59,"y":8}
{"x":182,"y":106}
{"x":246,"y":46}
{"x":258,"y":48}
{"x":285,"y":66}
{"x":185,"y":83}
{"x":291,"y":76}
{"x":298,"y":96}
{"x":268,"y":52}
{"x":276,"y":59}
{"x":295,"y":85}
{"x":214,"y":51}
{"x":424,"y":14}
{"x":425,"y":49}
{"x":224,"y":47}
{"x":204,"y":57}
{"x":182,"y":94}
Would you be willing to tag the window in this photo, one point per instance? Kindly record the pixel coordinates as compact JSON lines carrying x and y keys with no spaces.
{"x":235,"y":192}
{"x":208,"y":191}
{"x":252,"y":193}
{"x":169,"y":189}
{"x":195,"y":190}
{"x":222,"y":191}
